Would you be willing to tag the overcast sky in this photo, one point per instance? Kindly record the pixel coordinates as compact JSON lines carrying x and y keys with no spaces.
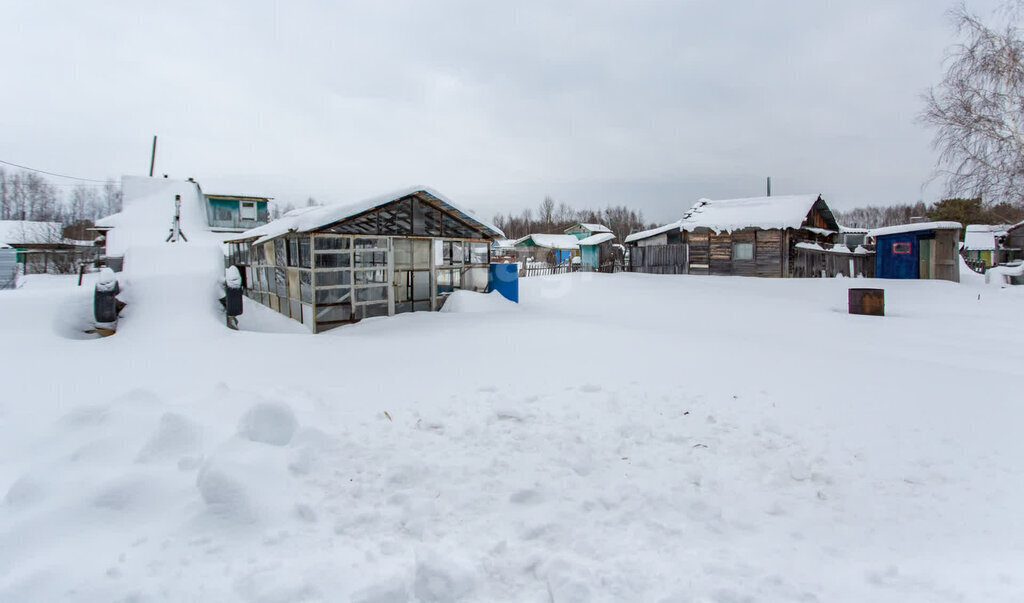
{"x":645,"y":103}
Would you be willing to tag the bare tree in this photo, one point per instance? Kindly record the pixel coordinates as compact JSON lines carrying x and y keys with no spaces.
{"x":978,"y":109}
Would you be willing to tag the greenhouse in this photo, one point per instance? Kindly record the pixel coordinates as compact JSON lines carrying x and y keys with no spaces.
{"x":329,"y":266}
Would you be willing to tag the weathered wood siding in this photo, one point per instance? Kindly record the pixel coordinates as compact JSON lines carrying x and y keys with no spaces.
{"x":768,"y":252}
{"x":659,"y":259}
{"x":721,"y":254}
{"x":700,"y":251}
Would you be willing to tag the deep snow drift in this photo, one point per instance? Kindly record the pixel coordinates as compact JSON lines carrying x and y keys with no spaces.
{"x":614,"y":437}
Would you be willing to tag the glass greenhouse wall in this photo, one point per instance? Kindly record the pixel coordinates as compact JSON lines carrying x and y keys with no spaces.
{"x":324,"y":280}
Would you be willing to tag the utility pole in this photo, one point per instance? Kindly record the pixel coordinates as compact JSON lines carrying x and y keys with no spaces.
{"x":152,"y":157}
{"x":769,"y":179}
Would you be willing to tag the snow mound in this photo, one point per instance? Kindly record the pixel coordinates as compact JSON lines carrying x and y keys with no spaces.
{"x":440,"y":578}
{"x":472,"y":302}
{"x":269,"y":422}
{"x":223,"y":489}
{"x":176,"y":438}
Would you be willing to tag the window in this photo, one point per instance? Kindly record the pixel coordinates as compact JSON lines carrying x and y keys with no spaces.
{"x":248,"y":210}
{"x":452,"y":253}
{"x":477,"y":253}
{"x":901,"y":248}
{"x":742,"y":251}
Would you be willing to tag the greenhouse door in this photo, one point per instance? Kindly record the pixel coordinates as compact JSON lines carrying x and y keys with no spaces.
{"x":412,"y":275}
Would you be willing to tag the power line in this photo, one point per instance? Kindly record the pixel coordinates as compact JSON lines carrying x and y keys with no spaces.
{"x":25,"y":167}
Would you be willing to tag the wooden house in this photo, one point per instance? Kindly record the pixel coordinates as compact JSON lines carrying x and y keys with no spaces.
{"x":235,"y":213}
{"x":333,"y":265}
{"x":744,"y":237}
{"x":926,"y":250}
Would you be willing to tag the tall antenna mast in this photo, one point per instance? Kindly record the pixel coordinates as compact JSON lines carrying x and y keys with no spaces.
{"x":152,"y":157}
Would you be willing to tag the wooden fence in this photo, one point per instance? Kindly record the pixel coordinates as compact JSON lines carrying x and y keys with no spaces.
{"x":817,"y":263}
{"x":547,"y":269}
{"x":660,"y":259}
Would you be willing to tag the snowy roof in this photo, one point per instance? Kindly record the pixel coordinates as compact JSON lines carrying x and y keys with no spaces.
{"x":726,"y":215}
{"x":853,"y":229}
{"x":551,"y":241}
{"x":644,"y":234}
{"x":901,"y":228}
{"x":5,"y":246}
{"x":592,"y":228}
{"x":982,"y":237}
{"x":504,"y":242}
{"x":596,"y":239}
{"x":312,"y":218}
{"x":31,"y":232}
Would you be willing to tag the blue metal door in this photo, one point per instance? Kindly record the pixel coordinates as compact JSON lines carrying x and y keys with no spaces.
{"x":896,"y":256}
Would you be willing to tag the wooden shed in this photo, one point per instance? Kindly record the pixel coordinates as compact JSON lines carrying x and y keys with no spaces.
{"x":754,"y":236}
{"x":926,"y":250}
{"x":595,"y":251}
{"x":333,"y":265}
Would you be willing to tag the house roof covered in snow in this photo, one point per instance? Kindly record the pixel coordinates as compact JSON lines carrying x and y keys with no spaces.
{"x":549,"y":241}
{"x":591,"y":228}
{"x":917,"y":227}
{"x":644,"y":234}
{"x":309,"y":219}
{"x":982,"y":237}
{"x":596,"y":239}
{"x":727,"y":215}
{"x":29,"y":232}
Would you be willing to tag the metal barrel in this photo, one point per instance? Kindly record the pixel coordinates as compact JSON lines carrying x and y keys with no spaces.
{"x":867,"y":301}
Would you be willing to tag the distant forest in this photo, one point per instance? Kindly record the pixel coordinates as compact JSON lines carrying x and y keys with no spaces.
{"x":552,"y":218}
{"x":965,"y":211}
{"x":29,"y":196}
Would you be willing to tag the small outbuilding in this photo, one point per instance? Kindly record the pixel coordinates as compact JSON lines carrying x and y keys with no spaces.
{"x":596,"y":250}
{"x":926,"y":250}
{"x":337,"y":264}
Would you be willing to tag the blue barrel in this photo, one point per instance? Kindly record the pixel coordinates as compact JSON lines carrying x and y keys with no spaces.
{"x":504,"y":278}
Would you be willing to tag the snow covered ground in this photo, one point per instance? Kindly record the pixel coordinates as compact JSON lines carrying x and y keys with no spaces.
{"x":612,"y":438}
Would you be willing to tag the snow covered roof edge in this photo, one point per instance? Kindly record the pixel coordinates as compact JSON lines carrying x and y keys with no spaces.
{"x":597,"y":239}
{"x":323,"y":216}
{"x":919,"y":226}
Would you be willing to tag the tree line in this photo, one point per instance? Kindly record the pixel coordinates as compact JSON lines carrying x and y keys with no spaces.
{"x":964,"y":211}
{"x":555,"y":218}
{"x":28,"y":196}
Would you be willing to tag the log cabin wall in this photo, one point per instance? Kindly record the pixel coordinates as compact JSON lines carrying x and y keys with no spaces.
{"x":768,"y":252}
{"x":721,"y":254}
{"x":700,"y":251}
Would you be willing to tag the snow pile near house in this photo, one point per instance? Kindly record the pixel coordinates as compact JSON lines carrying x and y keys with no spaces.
{"x":621,"y":437}
{"x":470,"y":301}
